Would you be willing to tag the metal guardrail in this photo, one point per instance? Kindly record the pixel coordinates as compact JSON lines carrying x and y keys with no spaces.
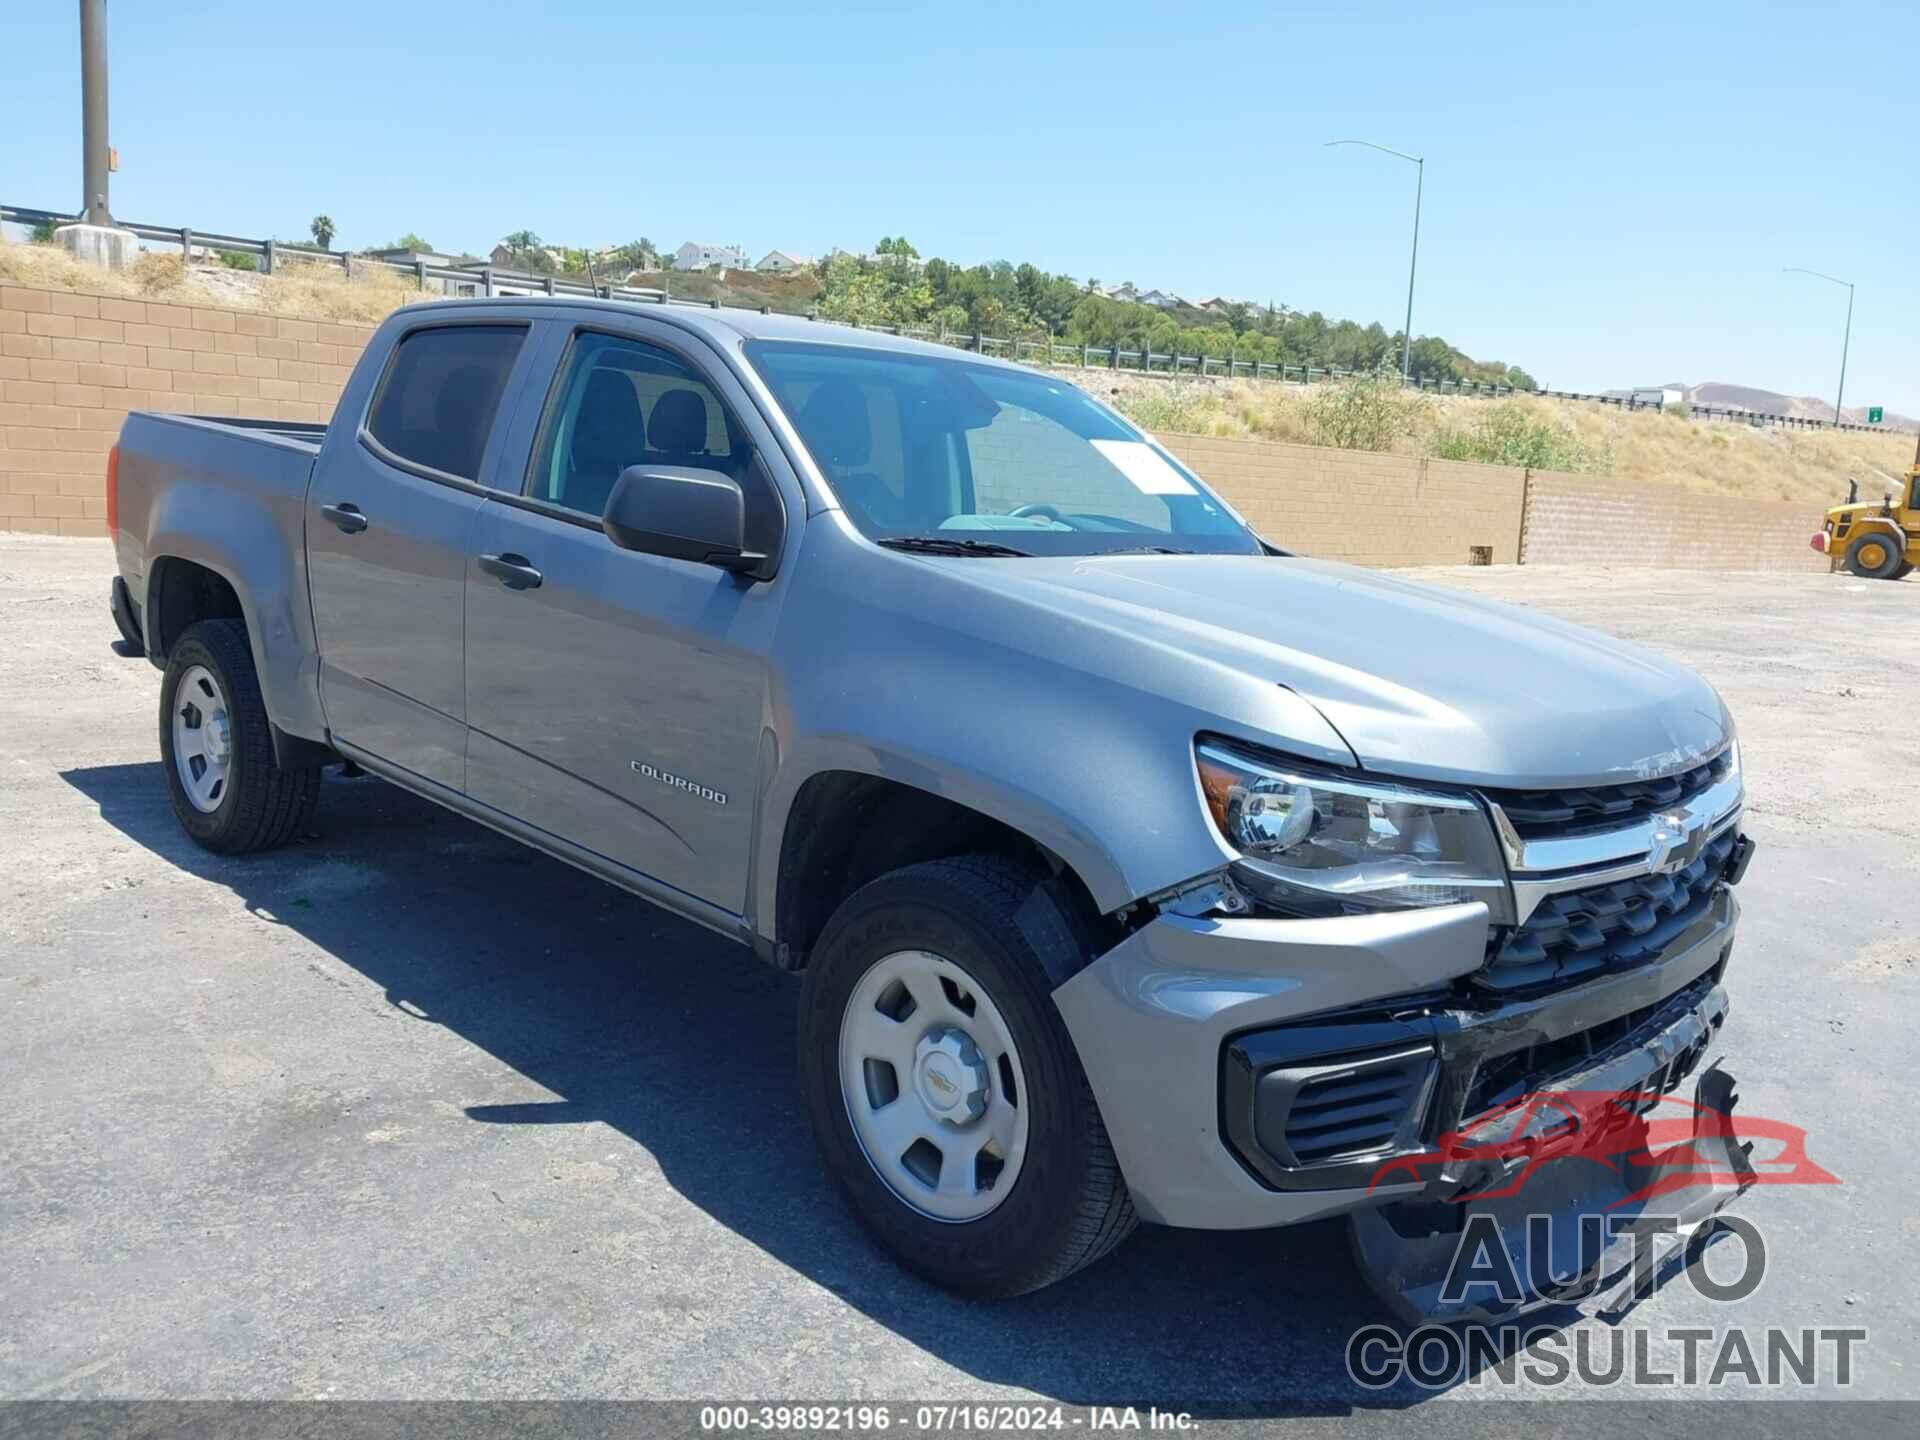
{"x":491,"y":279}
{"x":487,"y":278}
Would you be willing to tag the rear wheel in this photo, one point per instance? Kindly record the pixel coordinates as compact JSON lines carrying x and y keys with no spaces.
{"x":218,"y":747}
{"x":944,"y":1091}
{"x":1874,"y":556}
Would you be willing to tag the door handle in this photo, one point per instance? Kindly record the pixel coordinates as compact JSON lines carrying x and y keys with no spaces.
{"x":512,"y":571}
{"x":345,"y":516}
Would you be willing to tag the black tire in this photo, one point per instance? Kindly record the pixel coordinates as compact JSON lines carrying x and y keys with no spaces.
{"x":1069,"y":1204}
{"x":261,"y":805}
{"x":1906,"y":569}
{"x":1875,"y":542}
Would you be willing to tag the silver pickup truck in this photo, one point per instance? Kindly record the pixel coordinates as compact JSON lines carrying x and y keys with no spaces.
{"x":1136,"y":868}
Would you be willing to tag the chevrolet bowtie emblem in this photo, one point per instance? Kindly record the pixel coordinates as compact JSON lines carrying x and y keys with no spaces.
{"x":1673,"y":845}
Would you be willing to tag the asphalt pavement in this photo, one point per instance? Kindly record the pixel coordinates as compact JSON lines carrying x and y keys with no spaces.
{"x":409,"y":1111}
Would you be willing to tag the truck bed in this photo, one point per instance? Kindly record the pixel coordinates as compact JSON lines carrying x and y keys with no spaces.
{"x":305,"y":433}
{"x":227,"y":496}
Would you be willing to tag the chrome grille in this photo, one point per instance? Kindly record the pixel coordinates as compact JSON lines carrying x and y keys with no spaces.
{"x":1537,"y":813}
{"x":1606,"y":927}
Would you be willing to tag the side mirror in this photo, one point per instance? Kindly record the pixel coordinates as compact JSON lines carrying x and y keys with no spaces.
{"x":682,"y":513}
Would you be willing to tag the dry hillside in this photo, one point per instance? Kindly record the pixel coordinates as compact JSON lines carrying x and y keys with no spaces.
{"x":1715,"y":457}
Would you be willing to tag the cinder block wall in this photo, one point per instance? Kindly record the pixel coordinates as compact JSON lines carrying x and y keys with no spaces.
{"x":1598,"y":520}
{"x":1353,"y":505}
{"x":73,"y":365}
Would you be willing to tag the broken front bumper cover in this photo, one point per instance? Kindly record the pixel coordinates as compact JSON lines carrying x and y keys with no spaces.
{"x":1600,"y":1208}
{"x":1297,"y":1100}
{"x":1178,"y":1025}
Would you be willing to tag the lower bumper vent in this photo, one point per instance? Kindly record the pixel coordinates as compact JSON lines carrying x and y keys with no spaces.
{"x":1342,"y":1110}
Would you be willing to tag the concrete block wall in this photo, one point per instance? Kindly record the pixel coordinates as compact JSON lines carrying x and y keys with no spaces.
{"x":1354,"y":505}
{"x":73,"y":365}
{"x":1598,"y":520}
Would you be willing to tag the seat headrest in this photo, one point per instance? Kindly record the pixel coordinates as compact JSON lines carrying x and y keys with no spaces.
{"x":467,"y":390}
{"x":680,"y":422}
{"x":610,"y":428}
{"x":834,"y":421}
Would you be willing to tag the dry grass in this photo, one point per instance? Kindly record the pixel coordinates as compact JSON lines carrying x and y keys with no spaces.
{"x":316,"y":291}
{"x":1713,"y":457}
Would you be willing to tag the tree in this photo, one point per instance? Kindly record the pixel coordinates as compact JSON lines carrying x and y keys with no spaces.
{"x":524,"y":245}
{"x":411,"y":241}
{"x":1434,"y":359}
{"x":322,"y":228}
{"x":637,"y":254}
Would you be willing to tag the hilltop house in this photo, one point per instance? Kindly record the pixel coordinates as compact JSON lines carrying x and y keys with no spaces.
{"x":779,"y":262}
{"x":695,"y":256}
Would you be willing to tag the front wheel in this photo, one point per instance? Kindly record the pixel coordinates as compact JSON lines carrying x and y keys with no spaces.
{"x":217,"y":745}
{"x":1874,"y":556}
{"x":944,"y":1091}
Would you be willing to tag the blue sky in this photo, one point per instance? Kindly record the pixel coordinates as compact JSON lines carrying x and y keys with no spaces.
{"x":1611,"y":193}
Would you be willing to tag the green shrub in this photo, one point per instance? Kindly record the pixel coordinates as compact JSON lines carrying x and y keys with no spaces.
{"x":238,"y":260}
{"x":1509,"y":433}
{"x":1173,"y":409}
{"x":42,"y":233}
{"x":1368,"y":412}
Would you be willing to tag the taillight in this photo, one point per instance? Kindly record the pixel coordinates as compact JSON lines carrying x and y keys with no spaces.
{"x":113,"y":490}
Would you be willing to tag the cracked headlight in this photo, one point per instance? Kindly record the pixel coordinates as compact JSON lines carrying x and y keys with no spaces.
{"x":1315,"y":842}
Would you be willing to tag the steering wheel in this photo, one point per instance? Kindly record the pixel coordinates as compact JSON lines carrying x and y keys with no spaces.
{"x":1041,"y":512}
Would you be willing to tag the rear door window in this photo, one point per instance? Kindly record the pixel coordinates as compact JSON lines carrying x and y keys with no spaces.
{"x":442,"y":389}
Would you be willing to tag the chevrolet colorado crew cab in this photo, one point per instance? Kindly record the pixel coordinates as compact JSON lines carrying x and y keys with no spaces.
{"x":1135,"y":867}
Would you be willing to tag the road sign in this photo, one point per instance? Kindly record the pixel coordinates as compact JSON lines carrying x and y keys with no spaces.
{"x":1875,"y":414}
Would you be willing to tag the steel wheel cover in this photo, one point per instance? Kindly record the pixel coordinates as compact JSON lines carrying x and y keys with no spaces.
{"x":933,"y":1085}
{"x":202,"y":739}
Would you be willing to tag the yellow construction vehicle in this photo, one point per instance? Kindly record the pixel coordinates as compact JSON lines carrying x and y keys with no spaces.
{"x":1876,"y":541}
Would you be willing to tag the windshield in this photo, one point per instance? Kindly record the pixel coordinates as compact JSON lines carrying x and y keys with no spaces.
{"x":926,"y":446}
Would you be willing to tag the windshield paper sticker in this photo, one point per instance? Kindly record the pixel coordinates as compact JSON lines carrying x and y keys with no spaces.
{"x":1144,"y":467}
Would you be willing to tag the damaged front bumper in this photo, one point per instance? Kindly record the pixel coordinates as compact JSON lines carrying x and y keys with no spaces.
{"x":1222,"y":1052}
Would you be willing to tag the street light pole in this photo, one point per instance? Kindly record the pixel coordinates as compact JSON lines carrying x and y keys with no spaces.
{"x":1846,"y":343}
{"x":1419,"y":185}
{"x":93,"y":112}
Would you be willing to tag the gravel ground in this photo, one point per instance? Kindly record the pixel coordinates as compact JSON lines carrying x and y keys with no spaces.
{"x":408,"y":1111}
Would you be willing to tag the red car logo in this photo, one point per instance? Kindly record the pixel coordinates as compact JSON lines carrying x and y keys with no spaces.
{"x":1629,"y":1133}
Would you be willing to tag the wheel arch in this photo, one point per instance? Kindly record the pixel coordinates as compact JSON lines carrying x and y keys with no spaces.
{"x":846,"y":827}
{"x":181,"y":592}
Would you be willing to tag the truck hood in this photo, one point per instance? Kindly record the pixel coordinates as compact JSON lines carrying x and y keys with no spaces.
{"x":1419,"y":681}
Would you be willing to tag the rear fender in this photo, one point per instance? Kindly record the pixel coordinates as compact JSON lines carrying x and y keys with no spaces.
{"x":250,"y":531}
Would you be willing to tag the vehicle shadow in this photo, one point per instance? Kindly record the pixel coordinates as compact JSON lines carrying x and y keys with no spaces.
{"x":673,"y":1036}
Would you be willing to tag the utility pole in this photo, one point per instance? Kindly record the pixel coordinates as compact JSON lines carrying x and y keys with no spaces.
{"x":1419,"y":185}
{"x":93,"y":112}
{"x":1846,"y":342}
{"x":94,"y":237}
